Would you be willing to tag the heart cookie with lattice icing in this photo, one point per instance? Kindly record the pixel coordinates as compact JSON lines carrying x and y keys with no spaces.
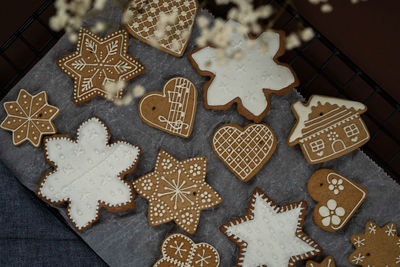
{"x":172,"y":111}
{"x":143,"y":16}
{"x":244,"y":150}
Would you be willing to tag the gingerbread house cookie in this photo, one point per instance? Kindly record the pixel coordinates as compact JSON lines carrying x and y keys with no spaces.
{"x":328,"y":127}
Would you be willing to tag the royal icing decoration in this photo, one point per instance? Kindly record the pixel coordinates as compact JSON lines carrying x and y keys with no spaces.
{"x":249,"y":80}
{"x":328,"y":127}
{"x":338,"y":198}
{"x":177,"y":190}
{"x":98,"y":61}
{"x":178,"y":250}
{"x":270,"y":235}
{"x":88,"y":173}
{"x":327,"y":262}
{"x":244,"y":150}
{"x":172,"y":111}
{"x":144,"y":16}
{"x":377,"y":246}
{"x":29,"y":118}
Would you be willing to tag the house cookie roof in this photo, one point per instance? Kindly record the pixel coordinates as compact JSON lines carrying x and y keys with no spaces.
{"x":302,"y":111}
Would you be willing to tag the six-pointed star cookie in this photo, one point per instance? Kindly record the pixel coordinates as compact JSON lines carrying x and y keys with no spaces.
{"x":88,"y":173}
{"x":29,"y":118}
{"x":249,"y":80}
{"x":270,"y":235}
{"x":98,"y":61}
{"x":177,"y":190}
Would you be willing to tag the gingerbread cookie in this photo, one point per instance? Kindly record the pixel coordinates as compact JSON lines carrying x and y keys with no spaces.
{"x":177,"y":190}
{"x":88,"y":173}
{"x":98,"y":61}
{"x":179,"y":250}
{"x":172,"y":111}
{"x":270,"y":235}
{"x":327,"y":262}
{"x":244,"y":150}
{"x":29,"y":118}
{"x":338,"y":198}
{"x":377,"y":246}
{"x":328,"y":127}
{"x":249,"y":80}
{"x":144,"y":15}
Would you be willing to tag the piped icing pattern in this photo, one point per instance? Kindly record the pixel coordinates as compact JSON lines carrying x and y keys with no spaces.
{"x":88,"y":173}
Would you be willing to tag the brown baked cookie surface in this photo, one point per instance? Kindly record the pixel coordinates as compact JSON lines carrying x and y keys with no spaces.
{"x":29,"y":118}
{"x":172,"y":111}
{"x":98,"y":61}
{"x":337,"y":197}
{"x":378,"y":246}
{"x":179,"y":250}
{"x":327,"y":262}
{"x":328,"y":127}
{"x":144,"y":17}
{"x":176,"y":190}
{"x":270,"y":235}
{"x":244,"y":150}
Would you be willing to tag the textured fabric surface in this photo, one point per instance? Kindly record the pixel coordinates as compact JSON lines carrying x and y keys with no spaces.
{"x":30,"y":233}
{"x":126,"y":238}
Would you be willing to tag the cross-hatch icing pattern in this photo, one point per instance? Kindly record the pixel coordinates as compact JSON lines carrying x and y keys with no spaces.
{"x":244,"y":151}
{"x":180,"y":251}
{"x":99,"y":61}
{"x":88,"y":172}
{"x":146,"y":14}
{"x":29,"y":118}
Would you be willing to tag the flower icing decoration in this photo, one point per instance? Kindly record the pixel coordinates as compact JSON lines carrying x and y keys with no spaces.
{"x":249,"y":80}
{"x":178,"y":250}
{"x":336,"y":185}
{"x":331,"y":213}
{"x":98,"y":61}
{"x":270,"y":235}
{"x":88,"y":173}
{"x":29,"y":118}
{"x":378,"y":246}
{"x":176,"y":193}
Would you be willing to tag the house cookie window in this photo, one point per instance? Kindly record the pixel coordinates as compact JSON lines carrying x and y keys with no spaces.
{"x":317,"y":145}
{"x":351,"y":130}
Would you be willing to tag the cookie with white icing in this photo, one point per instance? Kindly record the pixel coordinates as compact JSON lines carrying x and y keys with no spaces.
{"x":173,"y":110}
{"x":328,"y":127}
{"x":179,"y":250}
{"x":88,"y":173}
{"x":29,"y":118}
{"x":270,"y":235}
{"x":338,"y":198}
{"x":248,"y":80}
{"x":143,"y":18}
{"x":327,"y":262}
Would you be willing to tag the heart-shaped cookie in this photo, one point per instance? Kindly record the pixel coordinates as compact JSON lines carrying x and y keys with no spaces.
{"x":172,"y":111}
{"x":244,"y":150}
{"x":143,"y":16}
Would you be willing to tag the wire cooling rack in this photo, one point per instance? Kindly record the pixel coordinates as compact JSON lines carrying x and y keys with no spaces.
{"x":322,"y":69}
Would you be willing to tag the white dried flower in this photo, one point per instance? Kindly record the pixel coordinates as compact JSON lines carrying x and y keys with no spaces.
{"x":292,"y":41}
{"x":99,"y":27}
{"x":73,"y":37}
{"x":99,"y":4}
{"x":203,"y":22}
{"x":306,"y":34}
{"x":138,"y":91}
{"x":326,"y":8}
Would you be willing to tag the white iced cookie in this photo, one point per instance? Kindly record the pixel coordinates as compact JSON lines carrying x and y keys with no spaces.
{"x":88,"y":173}
{"x":248,"y":80}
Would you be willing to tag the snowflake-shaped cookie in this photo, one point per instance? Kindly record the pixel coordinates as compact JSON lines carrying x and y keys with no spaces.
{"x":178,"y":250}
{"x":249,"y":80}
{"x":175,"y":192}
{"x":270,"y":235}
{"x":378,"y":246}
{"x":88,"y":173}
{"x":98,"y":61}
{"x":29,"y":118}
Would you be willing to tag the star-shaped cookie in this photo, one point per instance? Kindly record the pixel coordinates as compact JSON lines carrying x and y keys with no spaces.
{"x":327,"y":262}
{"x":248,"y":80}
{"x":270,"y":235}
{"x":177,"y":190}
{"x":88,"y":173}
{"x":98,"y":61}
{"x":29,"y":118}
